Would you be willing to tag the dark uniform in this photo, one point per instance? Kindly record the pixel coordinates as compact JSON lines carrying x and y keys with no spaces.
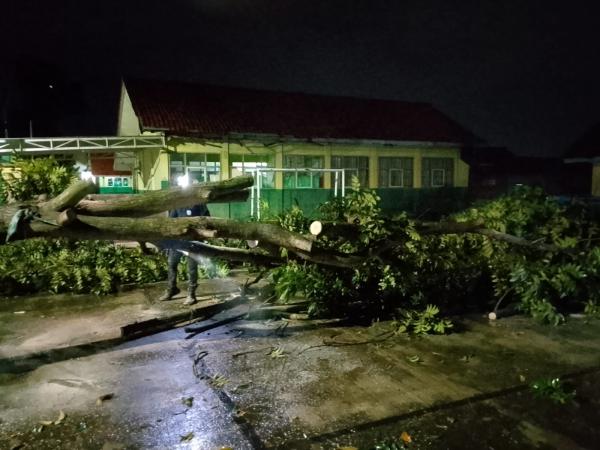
{"x":174,"y":257}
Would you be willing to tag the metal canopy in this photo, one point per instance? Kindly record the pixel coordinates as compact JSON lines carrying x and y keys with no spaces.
{"x":73,"y":144}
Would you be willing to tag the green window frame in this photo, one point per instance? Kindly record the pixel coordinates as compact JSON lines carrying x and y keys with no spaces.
{"x":300,"y":179}
{"x":353,"y":166}
{"x":437,"y":172}
{"x":245,"y":163}
{"x":395,"y":172}
{"x":200,"y":167}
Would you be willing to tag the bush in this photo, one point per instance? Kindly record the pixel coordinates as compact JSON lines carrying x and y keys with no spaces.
{"x":95,"y":267}
{"x":32,"y":177}
{"x":453,"y":271}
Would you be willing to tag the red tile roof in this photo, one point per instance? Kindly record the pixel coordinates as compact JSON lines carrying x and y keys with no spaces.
{"x":587,"y":146}
{"x":188,"y":109}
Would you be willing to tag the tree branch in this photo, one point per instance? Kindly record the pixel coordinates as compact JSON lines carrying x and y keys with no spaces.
{"x":152,"y":202}
{"x":70,"y":196}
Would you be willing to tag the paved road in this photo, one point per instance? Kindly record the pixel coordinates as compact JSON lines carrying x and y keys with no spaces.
{"x":255,"y":385}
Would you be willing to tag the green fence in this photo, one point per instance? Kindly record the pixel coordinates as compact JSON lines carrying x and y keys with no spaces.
{"x":275,"y":201}
{"x":417,"y":202}
{"x":424,"y":202}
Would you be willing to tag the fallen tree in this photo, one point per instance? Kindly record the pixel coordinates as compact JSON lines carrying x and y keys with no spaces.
{"x":71,"y":215}
{"x":77,"y":214}
{"x":523,"y":245}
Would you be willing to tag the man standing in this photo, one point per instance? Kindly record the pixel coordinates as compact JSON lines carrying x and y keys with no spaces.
{"x":174,"y":256}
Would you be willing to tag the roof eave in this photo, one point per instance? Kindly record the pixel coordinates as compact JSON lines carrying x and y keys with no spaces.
{"x":316,"y":140}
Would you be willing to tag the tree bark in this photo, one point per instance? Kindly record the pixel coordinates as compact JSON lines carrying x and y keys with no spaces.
{"x":71,"y":215}
{"x":152,"y":202}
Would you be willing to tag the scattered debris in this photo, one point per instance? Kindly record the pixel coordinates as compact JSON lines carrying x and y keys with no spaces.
{"x":298,"y":316}
{"x":61,"y":417}
{"x":553,"y":389}
{"x":238,"y":414}
{"x":405,"y":437}
{"x":415,"y":359}
{"x":58,"y":421}
{"x":19,"y":312}
{"x":510,"y":310}
{"x":187,"y":437}
{"x":104,"y":398}
{"x":241,"y":386}
{"x":218,"y":381}
{"x":466,"y":358}
{"x":188,"y":401}
{"x":277,"y":352}
{"x":332,"y":343}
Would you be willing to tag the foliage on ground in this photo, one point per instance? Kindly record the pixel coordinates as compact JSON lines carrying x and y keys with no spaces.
{"x":415,"y":322}
{"x":61,"y":265}
{"x":553,"y":389}
{"x":96,"y":267}
{"x":452,"y":271}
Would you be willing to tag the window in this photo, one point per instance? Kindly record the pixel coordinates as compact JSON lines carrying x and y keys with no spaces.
{"x":303,"y":179}
{"x":200,"y":167}
{"x":395,"y":172}
{"x":438,"y":177}
{"x":246,"y":163}
{"x":438,"y":172}
{"x":357,"y":166}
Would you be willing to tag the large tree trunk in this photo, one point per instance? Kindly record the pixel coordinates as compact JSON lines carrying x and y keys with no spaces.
{"x":152,"y":202}
{"x":78,"y":215}
{"x":69,"y":215}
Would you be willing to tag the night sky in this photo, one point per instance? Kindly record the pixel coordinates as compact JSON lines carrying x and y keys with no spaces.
{"x":521,"y":74}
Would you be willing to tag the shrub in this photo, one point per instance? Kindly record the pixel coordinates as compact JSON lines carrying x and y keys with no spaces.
{"x":32,"y":177}
{"x":452,"y":271}
{"x":95,"y":267}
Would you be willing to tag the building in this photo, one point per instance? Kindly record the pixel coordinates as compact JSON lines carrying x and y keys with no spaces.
{"x":495,"y":171}
{"x":302,"y":149}
{"x":296,"y":143}
{"x":584,"y":155}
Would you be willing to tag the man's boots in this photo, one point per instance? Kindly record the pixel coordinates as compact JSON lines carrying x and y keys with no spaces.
{"x":191,"y":297}
{"x":169,"y":294}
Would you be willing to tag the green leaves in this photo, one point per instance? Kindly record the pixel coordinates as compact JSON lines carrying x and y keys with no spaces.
{"x":422,"y":322}
{"x":95,"y":267}
{"x":36,"y":176}
{"x":474,"y":271}
{"x":294,"y":220}
{"x":552,"y":389}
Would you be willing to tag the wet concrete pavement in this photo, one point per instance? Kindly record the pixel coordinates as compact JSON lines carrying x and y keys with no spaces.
{"x":72,"y":324}
{"x":265,"y":384}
